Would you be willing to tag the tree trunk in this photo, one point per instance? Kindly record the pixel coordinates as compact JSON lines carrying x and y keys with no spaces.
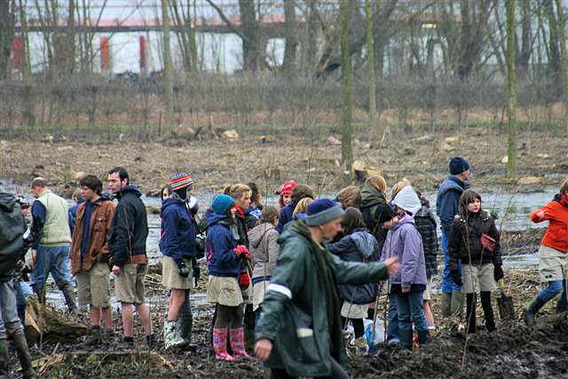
{"x":6,"y":36}
{"x":511,"y":92}
{"x":70,"y":40}
{"x":369,"y":18}
{"x":251,"y":48}
{"x":554,"y":64}
{"x":346,"y":146}
{"x":563,"y":58}
{"x":524,"y":57}
{"x":168,"y":88}
{"x":291,"y":39}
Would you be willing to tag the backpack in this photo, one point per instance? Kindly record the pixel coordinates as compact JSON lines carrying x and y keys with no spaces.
{"x":12,"y":227}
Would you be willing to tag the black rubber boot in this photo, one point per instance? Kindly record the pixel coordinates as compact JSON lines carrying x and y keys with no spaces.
{"x":488,"y":311}
{"x":24,"y":356}
{"x":562,"y":304}
{"x":186,"y":319}
{"x":69,"y":294}
{"x":4,"y":358}
{"x":471,"y":304}
{"x":529,"y":314}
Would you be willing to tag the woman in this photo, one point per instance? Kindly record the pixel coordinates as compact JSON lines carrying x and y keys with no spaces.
{"x":224,"y":260}
{"x":357,"y":245}
{"x":553,"y":254}
{"x":264,"y":249}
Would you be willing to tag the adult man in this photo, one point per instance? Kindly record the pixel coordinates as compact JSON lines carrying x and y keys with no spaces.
{"x":177,"y":243}
{"x":90,"y":253}
{"x":12,"y":227}
{"x":446,"y":209}
{"x":51,"y":241}
{"x":127,"y":244}
{"x":299,"y":331}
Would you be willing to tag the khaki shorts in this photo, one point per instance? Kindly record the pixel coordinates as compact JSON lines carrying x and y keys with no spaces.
{"x":349,"y":310}
{"x":428,"y":292}
{"x":476,"y":279}
{"x":224,"y":291}
{"x":171,"y":279}
{"x":129,"y":284}
{"x":553,"y":264}
{"x":259,"y":291}
{"x":93,"y":286}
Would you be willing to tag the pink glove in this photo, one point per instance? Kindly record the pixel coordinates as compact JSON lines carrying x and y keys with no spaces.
{"x":241,"y":250}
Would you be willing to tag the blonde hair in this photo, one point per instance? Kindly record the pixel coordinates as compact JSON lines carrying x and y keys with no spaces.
{"x":236,"y":191}
{"x":350,"y":197}
{"x":564,"y":187}
{"x":302,"y":206}
{"x":76,"y":195}
{"x":398,"y":186}
{"x":379,"y":183}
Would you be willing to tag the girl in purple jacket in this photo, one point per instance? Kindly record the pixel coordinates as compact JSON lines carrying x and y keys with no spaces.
{"x":408,"y":285}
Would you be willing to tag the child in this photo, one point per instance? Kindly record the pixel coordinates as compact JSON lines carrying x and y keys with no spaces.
{"x":474,"y":240}
{"x":264,"y":249}
{"x":426,"y":226}
{"x":553,"y":254}
{"x":224,"y":262}
{"x":408,"y":285}
{"x":285,"y":192}
{"x":357,"y":245}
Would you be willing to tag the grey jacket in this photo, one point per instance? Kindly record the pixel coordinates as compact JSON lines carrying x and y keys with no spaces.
{"x":264,"y":248}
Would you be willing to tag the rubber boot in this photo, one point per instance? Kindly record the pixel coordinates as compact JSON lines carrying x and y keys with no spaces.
{"x":40,"y":293}
{"x":562,"y":304}
{"x":238,"y":342}
{"x":185,"y":320}
{"x":220,"y":345}
{"x":151,"y":341}
{"x":456,"y":308}
{"x":529,"y":314}
{"x":4,"y":358}
{"x":446,"y":304}
{"x":471,"y":305}
{"x":69,"y":294}
{"x":172,"y":336}
{"x":488,"y":311}
{"x":405,"y":336}
{"x":24,"y":356}
{"x":95,"y":336}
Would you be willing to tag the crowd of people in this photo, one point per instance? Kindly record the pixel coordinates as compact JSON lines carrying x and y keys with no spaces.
{"x":286,"y":280}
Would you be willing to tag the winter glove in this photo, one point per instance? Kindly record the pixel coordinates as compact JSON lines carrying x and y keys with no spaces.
{"x":456,"y":277}
{"x":182,"y":269}
{"x":244,"y":279}
{"x":242,"y":252}
{"x":498,"y":272}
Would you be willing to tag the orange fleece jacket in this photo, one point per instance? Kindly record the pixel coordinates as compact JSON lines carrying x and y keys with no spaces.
{"x":556,"y":236}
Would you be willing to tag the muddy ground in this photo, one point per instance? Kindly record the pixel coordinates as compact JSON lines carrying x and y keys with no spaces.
{"x":309,"y":157}
{"x":512,"y":351}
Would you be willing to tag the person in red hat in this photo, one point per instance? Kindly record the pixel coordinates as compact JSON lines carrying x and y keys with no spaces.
{"x":285,"y":192}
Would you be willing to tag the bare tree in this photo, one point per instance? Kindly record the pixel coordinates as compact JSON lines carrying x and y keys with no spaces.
{"x":185,"y":33}
{"x":168,"y":69}
{"x":369,"y":17}
{"x":511,"y":92}
{"x":563,"y":56}
{"x":7,"y":21}
{"x":291,"y":33}
{"x":347,"y":131}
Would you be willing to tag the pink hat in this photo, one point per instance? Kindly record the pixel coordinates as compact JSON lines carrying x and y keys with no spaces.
{"x":287,"y":188}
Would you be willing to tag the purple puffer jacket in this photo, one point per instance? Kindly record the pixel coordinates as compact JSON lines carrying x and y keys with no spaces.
{"x":404,"y":242}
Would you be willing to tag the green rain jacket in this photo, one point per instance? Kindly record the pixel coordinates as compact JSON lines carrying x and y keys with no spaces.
{"x":295,"y":316}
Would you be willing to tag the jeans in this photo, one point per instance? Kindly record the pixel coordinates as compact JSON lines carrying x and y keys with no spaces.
{"x":563,"y":302}
{"x":448,"y":285}
{"x":392,"y":316}
{"x":23,"y":290}
{"x":54,"y":260}
{"x":9,"y":321}
{"x":550,"y":292}
{"x":410,"y":308}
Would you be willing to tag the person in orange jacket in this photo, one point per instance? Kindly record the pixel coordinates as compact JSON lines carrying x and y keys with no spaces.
{"x":553,"y":260}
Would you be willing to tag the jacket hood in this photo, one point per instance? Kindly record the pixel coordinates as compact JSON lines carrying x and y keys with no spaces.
{"x":408,"y":200}
{"x":370,"y":196}
{"x":407,"y":219}
{"x":365,"y":243}
{"x":424,"y":211}
{"x":214,"y":218}
{"x":129,"y":188}
{"x":7,"y":201}
{"x":452,"y":183}
{"x":257,"y":233}
{"x":171,"y":202}
{"x":298,"y":228}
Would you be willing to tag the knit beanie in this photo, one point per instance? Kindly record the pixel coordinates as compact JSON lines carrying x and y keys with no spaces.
{"x":287,"y":188}
{"x":323,"y":211}
{"x":221,"y":203}
{"x":384,"y":213}
{"x":458,"y":165}
{"x":180,"y":180}
{"x":408,"y":200}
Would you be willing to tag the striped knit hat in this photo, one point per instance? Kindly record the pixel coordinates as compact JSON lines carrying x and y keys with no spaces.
{"x":180,"y":180}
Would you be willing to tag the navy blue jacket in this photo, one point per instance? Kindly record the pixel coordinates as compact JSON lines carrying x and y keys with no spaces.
{"x":448,"y":199}
{"x":220,"y":246}
{"x":359,"y":246}
{"x":178,"y":231}
{"x":284,"y":217}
